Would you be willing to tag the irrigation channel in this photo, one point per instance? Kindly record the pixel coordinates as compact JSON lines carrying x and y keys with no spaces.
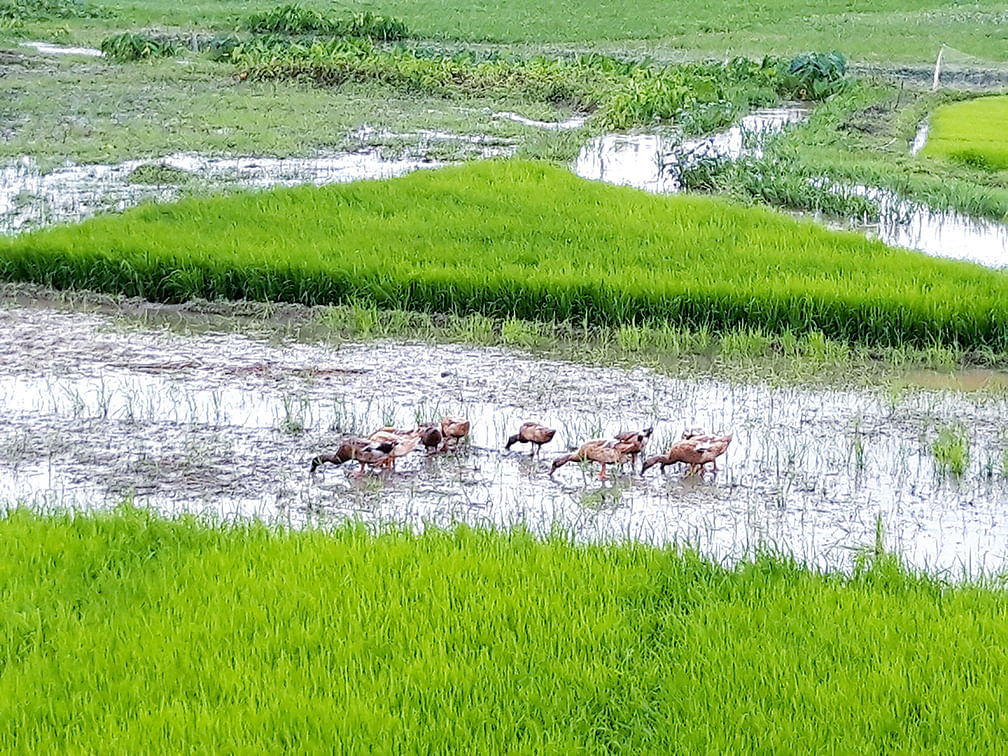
{"x":201,"y":418}
{"x":30,"y":198}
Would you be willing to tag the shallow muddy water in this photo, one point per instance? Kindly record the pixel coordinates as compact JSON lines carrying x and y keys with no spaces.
{"x":30,"y":198}
{"x":651,"y":162}
{"x":95,"y":409}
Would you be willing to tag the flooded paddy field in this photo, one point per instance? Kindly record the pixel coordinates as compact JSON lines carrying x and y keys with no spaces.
{"x":206,"y":420}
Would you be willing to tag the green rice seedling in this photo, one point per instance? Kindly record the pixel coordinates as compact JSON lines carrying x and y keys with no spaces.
{"x":951,"y":450}
{"x":971,"y":132}
{"x":164,"y":630}
{"x":130,"y":47}
{"x":531,"y":241}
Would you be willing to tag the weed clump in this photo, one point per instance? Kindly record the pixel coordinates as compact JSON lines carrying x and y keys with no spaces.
{"x":295,"y":20}
{"x":128,"y":46}
{"x":951,"y":451}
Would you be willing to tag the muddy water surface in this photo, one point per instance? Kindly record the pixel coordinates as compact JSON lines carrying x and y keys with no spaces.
{"x":94,"y":410}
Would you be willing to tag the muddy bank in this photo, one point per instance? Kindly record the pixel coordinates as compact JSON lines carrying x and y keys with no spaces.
{"x":96,"y":409}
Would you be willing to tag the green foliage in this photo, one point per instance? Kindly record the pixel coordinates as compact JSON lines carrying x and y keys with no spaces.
{"x":129,"y":47}
{"x":222,"y":47}
{"x":951,"y":450}
{"x":698,"y":96}
{"x":47,"y":10}
{"x":971,"y":132}
{"x":815,"y":76}
{"x":189,"y":635}
{"x":296,"y":20}
{"x":515,"y":239}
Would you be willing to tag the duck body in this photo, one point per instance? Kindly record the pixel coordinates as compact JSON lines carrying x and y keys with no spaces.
{"x":453,"y":429}
{"x":532,"y":433}
{"x":695,"y":450}
{"x":366,"y":451}
{"x":635,"y":442}
{"x":602,"y":450}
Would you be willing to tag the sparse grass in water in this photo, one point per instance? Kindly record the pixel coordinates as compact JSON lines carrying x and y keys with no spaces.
{"x":520,"y":240}
{"x":467,"y":641}
{"x":951,"y":450}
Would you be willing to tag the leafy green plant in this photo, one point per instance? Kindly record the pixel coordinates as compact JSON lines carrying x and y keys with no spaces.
{"x":129,"y":47}
{"x":46,"y":10}
{"x":816,"y":75}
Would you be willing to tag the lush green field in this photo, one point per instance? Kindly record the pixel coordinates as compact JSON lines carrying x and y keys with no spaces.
{"x":128,"y":633}
{"x":974,"y":132}
{"x":894,"y":30}
{"x":525,"y":240}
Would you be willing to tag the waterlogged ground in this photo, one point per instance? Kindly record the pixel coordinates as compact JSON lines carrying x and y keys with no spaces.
{"x":97,"y":408}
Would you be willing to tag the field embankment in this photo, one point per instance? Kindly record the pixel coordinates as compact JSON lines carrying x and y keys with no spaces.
{"x":179,"y":634}
{"x":514,"y":239}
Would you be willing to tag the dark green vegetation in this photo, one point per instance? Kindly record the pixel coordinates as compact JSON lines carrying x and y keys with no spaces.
{"x":298,"y":20}
{"x":185,"y":635}
{"x":974,"y":133}
{"x":698,"y":97}
{"x":515,"y":239}
{"x":128,"y":46}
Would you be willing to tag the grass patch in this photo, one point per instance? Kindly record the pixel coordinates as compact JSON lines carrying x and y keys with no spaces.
{"x":531,"y":241}
{"x":470,"y":641}
{"x":972,"y":133}
{"x":951,"y":450}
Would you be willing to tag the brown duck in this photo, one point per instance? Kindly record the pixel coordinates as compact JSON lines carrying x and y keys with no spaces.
{"x":358,"y":449}
{"x":532,"y":433}
{"x":636,"y":441}
{"x":453,"y":430}
{"x":694,"y":450}
{"x":605,"y":451}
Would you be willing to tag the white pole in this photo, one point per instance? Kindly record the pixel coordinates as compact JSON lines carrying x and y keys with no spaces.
{"x":934,"y":84}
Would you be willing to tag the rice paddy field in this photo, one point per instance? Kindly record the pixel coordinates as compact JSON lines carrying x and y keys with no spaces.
{"x":235,"y":234}
{"x":187,"y":634}
{"x":972,"y":132}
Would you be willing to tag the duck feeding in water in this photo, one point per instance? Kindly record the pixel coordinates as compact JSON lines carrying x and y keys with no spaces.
{"x":635,"y":441}
{"x":358,"y":449}
{"x":605,"y":451}
{"x":532,"y":433}
{"x":695,"y":449}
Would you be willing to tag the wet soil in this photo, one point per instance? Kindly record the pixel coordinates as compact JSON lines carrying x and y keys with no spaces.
{"x":97,"y":409}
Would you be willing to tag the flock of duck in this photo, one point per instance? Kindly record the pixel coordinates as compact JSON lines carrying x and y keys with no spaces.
{"x":696,"y":448}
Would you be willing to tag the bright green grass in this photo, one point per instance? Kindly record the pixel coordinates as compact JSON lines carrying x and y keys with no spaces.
{"x":515,"y":239}
{"x":974,"y":132}
{"x":128,"y":633}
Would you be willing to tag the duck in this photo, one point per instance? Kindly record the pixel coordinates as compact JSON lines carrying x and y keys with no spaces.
{"x":636,"y":441}
{"x":605,"y":451}
{"x":430,"y":436}
{"x":453,"y":430}
{"x":532,"y":433}
{"x":363,"y":450}
{"x":696,"y":450}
